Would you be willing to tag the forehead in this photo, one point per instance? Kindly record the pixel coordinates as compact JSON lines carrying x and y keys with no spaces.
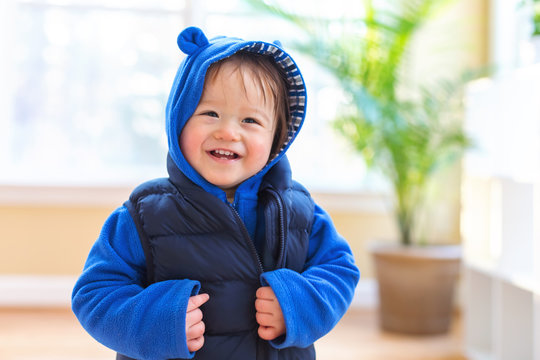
{"x":250,"y":73}
{"x":229,"y":80}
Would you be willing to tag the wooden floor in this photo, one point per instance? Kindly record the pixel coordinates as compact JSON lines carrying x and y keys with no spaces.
{"x":39,"y":334}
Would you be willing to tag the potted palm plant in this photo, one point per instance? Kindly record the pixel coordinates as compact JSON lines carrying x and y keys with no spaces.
{"x":406,"y":131}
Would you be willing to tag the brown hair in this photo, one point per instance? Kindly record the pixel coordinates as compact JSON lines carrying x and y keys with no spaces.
{"x":269,"y":76}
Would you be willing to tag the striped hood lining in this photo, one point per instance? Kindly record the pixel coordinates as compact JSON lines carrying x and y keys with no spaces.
{"x":297,"y":91}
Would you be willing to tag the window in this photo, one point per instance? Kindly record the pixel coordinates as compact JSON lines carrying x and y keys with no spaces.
{"x":87,"y":83}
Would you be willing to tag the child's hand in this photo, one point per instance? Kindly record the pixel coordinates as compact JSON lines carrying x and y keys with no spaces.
{"x":194,"y":324}
{"x":269,"y":315}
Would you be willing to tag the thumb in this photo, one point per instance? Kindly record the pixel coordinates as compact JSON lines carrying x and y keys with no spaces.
{"x":196,"y":301}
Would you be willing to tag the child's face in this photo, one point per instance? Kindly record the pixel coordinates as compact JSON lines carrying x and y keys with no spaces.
{"x":229,"y":136}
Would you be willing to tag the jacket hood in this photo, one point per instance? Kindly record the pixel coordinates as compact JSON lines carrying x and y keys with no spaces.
{"x":188,"y":86}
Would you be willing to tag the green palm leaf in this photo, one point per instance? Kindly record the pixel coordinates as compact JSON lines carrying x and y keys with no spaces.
{"x":408,"y":136}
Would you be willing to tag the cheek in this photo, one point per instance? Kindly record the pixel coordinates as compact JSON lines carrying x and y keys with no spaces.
{"x":189,"y":142}
{"x":263,"y":148}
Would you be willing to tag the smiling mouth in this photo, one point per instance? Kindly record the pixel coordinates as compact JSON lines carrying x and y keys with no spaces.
{"x":224,"y":154}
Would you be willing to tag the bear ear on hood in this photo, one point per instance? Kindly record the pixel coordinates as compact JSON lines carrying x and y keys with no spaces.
{"x":191,"y":40}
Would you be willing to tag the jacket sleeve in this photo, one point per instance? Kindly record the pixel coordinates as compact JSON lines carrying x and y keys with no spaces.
{"x":113,"y":306}
{"x":315,"y":300}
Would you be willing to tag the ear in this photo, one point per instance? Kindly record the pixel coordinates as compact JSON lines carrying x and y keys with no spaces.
{"x":191,"y":40}
{"x":278,"y":43}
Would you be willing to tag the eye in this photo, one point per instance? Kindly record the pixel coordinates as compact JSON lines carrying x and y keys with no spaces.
{"x":250,"y":121}
{"x":211,"y":114}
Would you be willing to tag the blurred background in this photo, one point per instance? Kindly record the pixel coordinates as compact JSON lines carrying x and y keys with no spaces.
{"x":83,"y":91}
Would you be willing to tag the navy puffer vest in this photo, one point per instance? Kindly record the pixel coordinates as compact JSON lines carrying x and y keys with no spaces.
{"x":187,"y":233}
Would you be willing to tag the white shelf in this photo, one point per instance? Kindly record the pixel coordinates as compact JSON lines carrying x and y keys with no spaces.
{"x":501,"y":219}
{"x":522,"y":281}
{"x":478,"y":311}
{"x":515,"y":322}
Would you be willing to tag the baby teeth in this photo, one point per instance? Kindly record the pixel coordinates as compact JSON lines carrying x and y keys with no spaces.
{"x":224,"y":152}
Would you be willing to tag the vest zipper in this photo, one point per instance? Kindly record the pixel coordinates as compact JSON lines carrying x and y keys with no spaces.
{"x":281,"y":217}
{"x":248,"y":239}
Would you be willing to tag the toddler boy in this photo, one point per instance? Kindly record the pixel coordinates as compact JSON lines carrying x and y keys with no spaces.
{"x":228,"y":257}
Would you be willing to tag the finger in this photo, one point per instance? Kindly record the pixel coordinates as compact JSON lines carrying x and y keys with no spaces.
{"x":195,"y":344}
{"x":264,"y":319}
{"x":196,"y":301}
{"x":264,"y":305}
{"x":193,"y":317}
{"x":267,"y":333}
{"x":265,"y":292}
{"x":195,"y":331}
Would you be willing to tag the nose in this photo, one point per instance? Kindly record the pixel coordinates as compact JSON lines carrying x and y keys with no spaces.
{"x":227,"y":130}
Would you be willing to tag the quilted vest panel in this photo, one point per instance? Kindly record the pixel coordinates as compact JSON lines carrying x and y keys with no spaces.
{"x":193,"y":235}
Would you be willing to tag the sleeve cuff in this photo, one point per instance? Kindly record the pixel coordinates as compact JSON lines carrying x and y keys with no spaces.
{"x":272,"y":279}
{"x":191,"y":288}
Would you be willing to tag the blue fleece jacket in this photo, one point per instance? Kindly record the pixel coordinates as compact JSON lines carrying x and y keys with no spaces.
{"x":110,"y":299}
